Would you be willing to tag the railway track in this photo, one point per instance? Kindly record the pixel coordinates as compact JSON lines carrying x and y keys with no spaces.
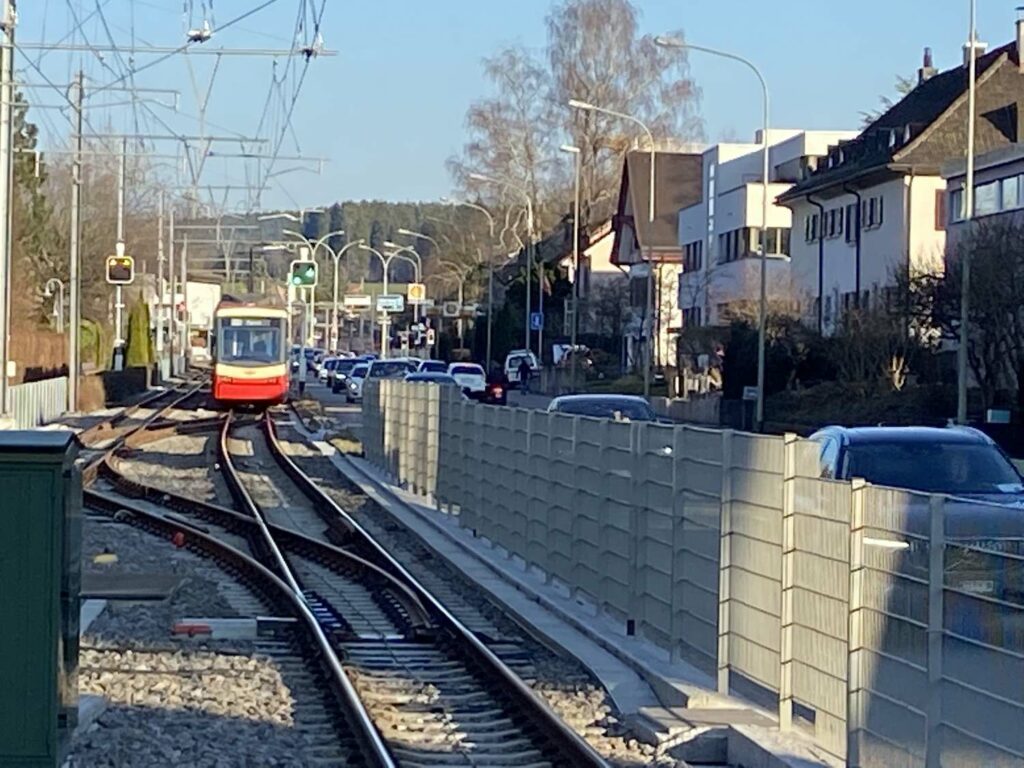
{"x":417,"y":685}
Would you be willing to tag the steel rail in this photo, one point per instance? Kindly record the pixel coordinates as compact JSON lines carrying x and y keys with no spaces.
{"x":245,"y":525}
{"x":574,"y":746}
{"x":362,"y":721}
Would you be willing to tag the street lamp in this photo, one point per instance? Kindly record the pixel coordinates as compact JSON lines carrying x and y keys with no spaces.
{"x":530,"y":247}
{"x":575,"y":152}
{"x":965,"y":267}
{"x":58,"y":305}
{"x":460,"y":273}
{"x":490,"y":268}
{"x":762,"y":319}
{"x":385,"y":321}
{"x":313,"y":247}
{"x":417,"y":265}
{"x":587,"y":107}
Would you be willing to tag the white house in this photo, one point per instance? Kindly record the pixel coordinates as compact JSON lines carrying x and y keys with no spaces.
{"x":720,"y":234}
{"x":876,"y":207}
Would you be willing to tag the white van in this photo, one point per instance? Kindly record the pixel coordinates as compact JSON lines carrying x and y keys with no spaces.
{"x":514,"y":360}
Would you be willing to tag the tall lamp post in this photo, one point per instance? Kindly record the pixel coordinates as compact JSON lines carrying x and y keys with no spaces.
{"x":460,"y":273}
{"x":968,"y":197}
{"x":530,"y":246}
{"x":762,"y":315}
{"x":417,"y":265}
{"x":334,"y":299}
{"x":490,"y":268}
{"x":313,"y":246}
{"x":649,"y":362}
{"x":385,"y":322}
{"x":58,"y":304}
{"x":575,"y":152}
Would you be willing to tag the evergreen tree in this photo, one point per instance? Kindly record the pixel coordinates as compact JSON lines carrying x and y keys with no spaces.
{"x":139,"y":353}
{"x":336,"y":221}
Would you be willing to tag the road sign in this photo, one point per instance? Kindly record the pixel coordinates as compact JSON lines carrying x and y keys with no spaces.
{"x":431,"y":337}
{"x":536,"y":321}
{"x":451,"y":309}
{"x":120,"y":270}
{"x":361,"y":300}
{"x":390,"y":302}
{"x":416,"y":293}
{"x":750,"y":393}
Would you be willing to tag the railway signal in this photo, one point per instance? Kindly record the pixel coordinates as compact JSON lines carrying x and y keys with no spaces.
{"x":120,"y":270}
{"x":303,"y":274}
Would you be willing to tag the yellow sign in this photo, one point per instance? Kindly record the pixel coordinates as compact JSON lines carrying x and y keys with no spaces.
{"x":417,"y":293}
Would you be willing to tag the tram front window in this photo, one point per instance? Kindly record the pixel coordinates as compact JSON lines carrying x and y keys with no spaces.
{"x":250,"y":341}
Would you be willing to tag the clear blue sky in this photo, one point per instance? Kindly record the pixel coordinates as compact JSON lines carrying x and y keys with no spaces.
{"x":389,"y":109}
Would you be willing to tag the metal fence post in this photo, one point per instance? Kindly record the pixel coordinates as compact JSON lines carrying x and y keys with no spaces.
{"x":936,"y":583}
{"x":679,"y":485}
{"x":724,"y":562}
{"x":788,"y":562}
{"x":855,"y":627}
{"x":637,"y":524}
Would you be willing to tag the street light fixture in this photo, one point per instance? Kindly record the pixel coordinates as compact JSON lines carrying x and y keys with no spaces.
{"x":490,"y":268}
{"x":385,"y":321}
{"x":762,"y":320}
{"x":588,"y":107}
{"x":417,"y":269}
{"x":530,"y":248}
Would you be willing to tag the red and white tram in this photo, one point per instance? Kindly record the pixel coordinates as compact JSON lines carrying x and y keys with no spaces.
{"x":250,"y":353}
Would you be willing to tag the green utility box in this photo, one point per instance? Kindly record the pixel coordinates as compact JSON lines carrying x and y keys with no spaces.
{"x":40,"y":580}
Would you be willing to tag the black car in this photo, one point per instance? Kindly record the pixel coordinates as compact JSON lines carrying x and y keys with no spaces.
{"x":958,"y":462}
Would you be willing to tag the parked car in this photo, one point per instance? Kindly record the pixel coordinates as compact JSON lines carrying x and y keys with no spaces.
{"x":618,"y":407}
{"x":514,"y":359}
{"x":354,"y":383}
{"x":433,"y":366}
{"x":959,"y":462}
{"x":470,"y":377}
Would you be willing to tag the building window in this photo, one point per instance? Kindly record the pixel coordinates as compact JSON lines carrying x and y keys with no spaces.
{"x":986,"y":198}
{"x":693,"y":256}
{"x":1010,"y":192}
{"x":811,"y":227}
{"x":851,"y":222}
{"x":691,"y":317}
{"x":831,"y":223}
{"x":956,"y":206}
{"x":879,"y":217}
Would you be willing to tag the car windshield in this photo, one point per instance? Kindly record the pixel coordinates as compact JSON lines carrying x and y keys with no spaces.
{"x":344,"y":366}
{"x":469,"y":370}
{"x":359,"y":372}
{"x":606,"y":408}
{"x":388,"y":369}
{"x":954,"y":468}
{"x":433,"y":366}
{"x":515,"y":362}
{"x":250,"y":340}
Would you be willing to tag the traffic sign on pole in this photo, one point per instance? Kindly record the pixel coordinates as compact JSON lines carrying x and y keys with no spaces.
{"x":416,"y":293}
{"x":536,"y":321}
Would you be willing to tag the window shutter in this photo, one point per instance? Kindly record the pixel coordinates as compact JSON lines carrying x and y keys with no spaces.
{"x":940,"y":210}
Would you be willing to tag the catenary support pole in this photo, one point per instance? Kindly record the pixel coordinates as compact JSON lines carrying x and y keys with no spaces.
{"x":74,"y":254}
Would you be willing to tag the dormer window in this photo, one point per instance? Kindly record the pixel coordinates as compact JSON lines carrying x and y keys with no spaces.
{"x":892,"y":138}
{"x":906,"y":133}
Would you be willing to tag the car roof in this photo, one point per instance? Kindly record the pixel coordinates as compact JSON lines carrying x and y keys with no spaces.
{"x":906,"y":435}
{"x":429,"y":376}
{"x":466,"y":365}
{"x":598,"y":399}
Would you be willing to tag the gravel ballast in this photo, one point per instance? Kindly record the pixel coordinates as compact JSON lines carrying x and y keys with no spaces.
{"x":176,"y":701}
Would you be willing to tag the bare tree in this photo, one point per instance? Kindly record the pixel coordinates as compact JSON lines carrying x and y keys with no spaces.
{"x":597,"y":54}
{"x":511,"y":134}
